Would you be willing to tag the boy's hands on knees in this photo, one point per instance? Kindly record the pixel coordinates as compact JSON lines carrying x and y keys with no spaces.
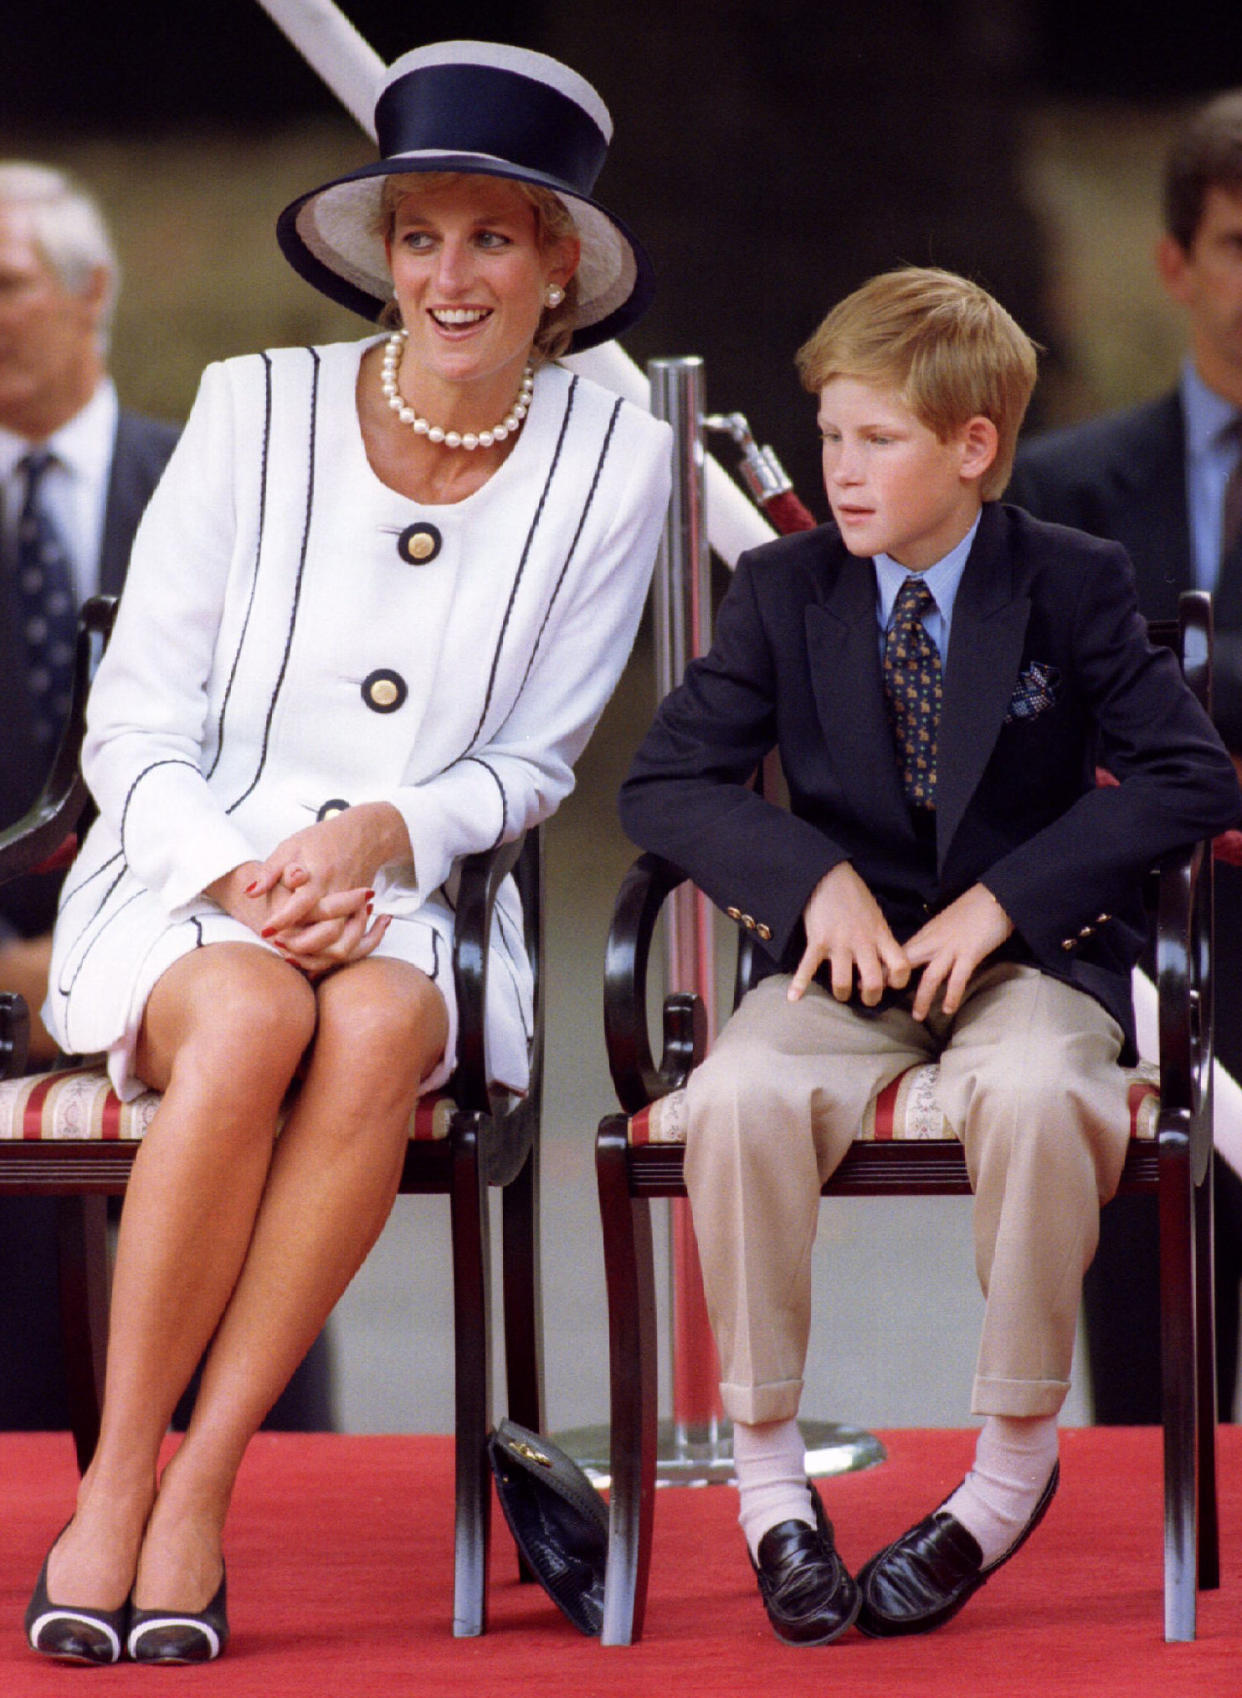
{"x":952,"y":944}
{"x":845,"y":927}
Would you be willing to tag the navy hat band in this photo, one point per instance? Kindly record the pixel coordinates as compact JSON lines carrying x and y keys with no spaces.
{"x":485,"y":109}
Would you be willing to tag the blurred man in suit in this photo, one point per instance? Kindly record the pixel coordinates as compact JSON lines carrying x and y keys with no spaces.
{"x":76,"y":471}
{"x":70,"y":453}
{"x":1165,"y":479}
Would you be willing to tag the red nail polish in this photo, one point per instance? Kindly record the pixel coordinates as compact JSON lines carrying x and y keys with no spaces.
{"x":252,"y":887}
{"x":268,"y":931}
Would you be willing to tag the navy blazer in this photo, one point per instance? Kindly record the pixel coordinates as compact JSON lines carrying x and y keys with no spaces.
{"x":139,"y":456}
{"x":1124,"y":476}
{"x":1048,"y":662}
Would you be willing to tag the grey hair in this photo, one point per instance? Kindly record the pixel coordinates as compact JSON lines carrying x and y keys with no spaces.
{"x":68,"y":226}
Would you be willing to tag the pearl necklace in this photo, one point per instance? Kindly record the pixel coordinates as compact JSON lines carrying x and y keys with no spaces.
{"x":508,"y":426}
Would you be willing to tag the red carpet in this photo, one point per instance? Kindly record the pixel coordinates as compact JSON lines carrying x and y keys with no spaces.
{"x":339,"y":1557}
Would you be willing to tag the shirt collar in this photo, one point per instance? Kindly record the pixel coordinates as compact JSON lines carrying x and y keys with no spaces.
{"x":83,"y":444}
{"x":941,"y":579}
{"x":1206,"y":413}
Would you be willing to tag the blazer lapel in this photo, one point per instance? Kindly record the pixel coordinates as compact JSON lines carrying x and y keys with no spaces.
{"x":985,"y":656}
{"x":843,"y":651}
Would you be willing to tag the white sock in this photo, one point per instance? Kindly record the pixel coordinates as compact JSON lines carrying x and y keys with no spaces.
{"x":770,"y":1462}
{"x":1013,"y":1458}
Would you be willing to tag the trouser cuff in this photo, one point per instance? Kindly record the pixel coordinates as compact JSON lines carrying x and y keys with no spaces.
{"x":776,"y":1401}
{"x":1018,"y":1397}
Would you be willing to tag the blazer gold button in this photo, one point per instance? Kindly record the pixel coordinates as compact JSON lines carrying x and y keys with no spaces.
{"x":331,"y":808}
{"x":1102,"y":919}
{"x":734,"y":913}
{"x":748,"y":922}
{"x":1069,"y":942}
{"x":764,"y":932}
{"x":1085,"y":931}
{"x":384,"y":691}
{"x":419,"y":543}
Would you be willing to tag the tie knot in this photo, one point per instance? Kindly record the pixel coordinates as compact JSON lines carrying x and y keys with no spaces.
{"x":914,"y":599}
{"x":34,"y":465}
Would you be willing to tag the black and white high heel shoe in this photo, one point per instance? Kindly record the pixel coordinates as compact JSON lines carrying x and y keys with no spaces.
{"x":71,"y":1634}
{"x":171,"y":1636}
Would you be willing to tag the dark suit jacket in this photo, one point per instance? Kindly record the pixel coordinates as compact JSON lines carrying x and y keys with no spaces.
{"x":139,"y":456}
{"x":796,"y":664}
{"x":1124,"y":476}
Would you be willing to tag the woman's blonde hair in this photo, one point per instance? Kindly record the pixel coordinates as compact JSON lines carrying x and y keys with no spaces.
{"x":553,"y":224}
{"x":950,"y":350}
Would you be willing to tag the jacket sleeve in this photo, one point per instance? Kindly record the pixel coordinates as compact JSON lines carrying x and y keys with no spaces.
{"x":523,"y":770}
{"x":148,"y":705}
{"x":688,"y":795}
{"x":1177,"y":783}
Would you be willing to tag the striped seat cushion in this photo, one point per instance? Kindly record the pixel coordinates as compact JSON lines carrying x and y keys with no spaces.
{"x":78,"y":1105}
{"x":905,"y":1111}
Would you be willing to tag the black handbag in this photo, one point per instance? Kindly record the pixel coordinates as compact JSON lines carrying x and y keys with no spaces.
{"x":558,"y":1520}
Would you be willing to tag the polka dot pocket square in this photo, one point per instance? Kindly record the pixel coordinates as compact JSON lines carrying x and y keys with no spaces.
{"x":1037,"y":690}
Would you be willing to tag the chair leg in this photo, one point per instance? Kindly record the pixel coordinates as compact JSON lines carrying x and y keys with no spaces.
{"x":1205,"y":1325}
{"x":1180,"y":1380}
{"x":523,"y":1295}
{"x":472,"y":1340}
{"x":630,"y":1274}
{"x":523,"y":1304}
{"x":82,"y":1250}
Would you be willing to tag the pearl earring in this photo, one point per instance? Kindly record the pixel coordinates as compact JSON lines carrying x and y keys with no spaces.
{"x":554,"y":295}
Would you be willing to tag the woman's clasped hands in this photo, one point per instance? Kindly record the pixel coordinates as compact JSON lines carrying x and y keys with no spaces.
{"x":312,"y":898}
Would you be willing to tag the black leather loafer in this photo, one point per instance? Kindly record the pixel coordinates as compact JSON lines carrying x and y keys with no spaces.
{"x":924,"y":1578}
{"x":807,"y":1590}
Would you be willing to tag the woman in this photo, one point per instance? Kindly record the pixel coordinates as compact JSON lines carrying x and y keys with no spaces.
{"x":373,"y":612}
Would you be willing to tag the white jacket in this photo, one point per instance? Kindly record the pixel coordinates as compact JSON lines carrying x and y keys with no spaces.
{"x":280,"y":649}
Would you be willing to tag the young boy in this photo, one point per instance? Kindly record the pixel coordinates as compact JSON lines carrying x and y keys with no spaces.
{"x":948,"y":882}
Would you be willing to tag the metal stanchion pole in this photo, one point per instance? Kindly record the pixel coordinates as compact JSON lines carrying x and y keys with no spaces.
{"x":695,"y":1447}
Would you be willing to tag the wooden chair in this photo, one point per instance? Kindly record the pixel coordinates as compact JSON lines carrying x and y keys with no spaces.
{"x":904,"y":1148}
{"x":65,"y":1134}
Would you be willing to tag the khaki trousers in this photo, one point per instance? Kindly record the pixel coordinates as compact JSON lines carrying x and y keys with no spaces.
{"x":1029,"y":1080}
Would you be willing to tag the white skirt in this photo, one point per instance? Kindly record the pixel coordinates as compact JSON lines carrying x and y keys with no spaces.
{"x":114,"y":940}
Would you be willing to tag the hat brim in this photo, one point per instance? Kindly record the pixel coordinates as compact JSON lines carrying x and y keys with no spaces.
{"x":330,"y":236}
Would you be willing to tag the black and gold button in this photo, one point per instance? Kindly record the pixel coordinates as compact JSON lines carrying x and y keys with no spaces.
{"x":335,"y":805}
{"x":763,"y":932}
{"x":734,"y":913}
{"x":419,"y":543}
{"x":384,"y":691}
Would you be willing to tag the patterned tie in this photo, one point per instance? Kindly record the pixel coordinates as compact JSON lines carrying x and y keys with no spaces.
{"x":46,"y":611}
{"x":912,"y":686}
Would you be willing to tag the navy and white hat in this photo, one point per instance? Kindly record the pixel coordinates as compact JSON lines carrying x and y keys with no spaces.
{"x":485,"y":108}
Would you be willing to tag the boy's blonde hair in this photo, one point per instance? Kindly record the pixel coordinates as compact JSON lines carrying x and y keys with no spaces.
{"x":950,"y":350}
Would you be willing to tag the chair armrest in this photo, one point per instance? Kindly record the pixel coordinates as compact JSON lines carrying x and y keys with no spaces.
{"x":1194,"y":618}
{"x":14,"y":1034}
{"x":1184,"y":987}
{"x":634,"y":1075}
{"x":481,"y":877}
{"x":37,"y":837}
